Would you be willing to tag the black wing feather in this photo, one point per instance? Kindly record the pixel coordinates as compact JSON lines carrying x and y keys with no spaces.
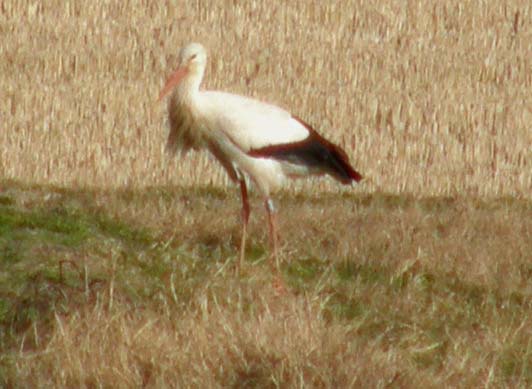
{"x":315,"y":152}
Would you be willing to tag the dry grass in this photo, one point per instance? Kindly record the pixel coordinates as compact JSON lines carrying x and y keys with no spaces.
{"x":381,"y":291}
{"x":427,"y":97}
{"x":248,"y":338}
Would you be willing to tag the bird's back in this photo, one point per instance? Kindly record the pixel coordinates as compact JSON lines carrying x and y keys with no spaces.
{"x":248,"y":123}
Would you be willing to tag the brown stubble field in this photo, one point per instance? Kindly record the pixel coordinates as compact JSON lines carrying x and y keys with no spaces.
{"x":116,"y":262}
{"x":432,"y":98}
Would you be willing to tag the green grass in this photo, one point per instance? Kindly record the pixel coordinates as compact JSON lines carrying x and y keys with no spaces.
{"x":44,"y":252}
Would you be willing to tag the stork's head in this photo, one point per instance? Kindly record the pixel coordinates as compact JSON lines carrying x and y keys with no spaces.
{"x":192,"y":61}
{"x":193,"y":56}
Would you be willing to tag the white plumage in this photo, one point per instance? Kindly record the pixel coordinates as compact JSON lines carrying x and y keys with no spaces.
{"x":250,"y":124}
{"x":248,"y":137}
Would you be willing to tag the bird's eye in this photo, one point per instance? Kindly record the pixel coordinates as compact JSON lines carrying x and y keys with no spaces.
{"x":193,"y":56}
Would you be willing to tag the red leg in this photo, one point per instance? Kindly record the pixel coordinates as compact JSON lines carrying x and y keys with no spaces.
{"x":273,"y":234}
{"x":245,"y":219}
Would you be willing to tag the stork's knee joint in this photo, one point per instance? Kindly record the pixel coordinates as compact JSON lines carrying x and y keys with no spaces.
{"x":270,"y":206}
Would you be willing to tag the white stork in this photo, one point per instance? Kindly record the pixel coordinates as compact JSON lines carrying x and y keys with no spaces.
{"x":248,"y":137}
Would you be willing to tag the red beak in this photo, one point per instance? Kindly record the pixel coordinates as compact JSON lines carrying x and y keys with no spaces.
{"x":173,"y":81}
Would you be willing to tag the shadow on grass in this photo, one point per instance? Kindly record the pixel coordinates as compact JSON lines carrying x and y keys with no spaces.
{"x":49,"y":246}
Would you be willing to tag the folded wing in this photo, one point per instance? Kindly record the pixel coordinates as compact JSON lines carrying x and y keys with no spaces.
{"x":266,"y":131}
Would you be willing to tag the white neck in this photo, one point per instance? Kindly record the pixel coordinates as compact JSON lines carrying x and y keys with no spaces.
{"x":188,"y":88}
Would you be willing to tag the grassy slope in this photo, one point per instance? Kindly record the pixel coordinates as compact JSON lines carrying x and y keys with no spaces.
{"x":136,"y":287}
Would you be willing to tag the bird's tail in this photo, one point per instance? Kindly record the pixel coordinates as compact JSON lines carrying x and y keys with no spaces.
{"x":338,"y":164}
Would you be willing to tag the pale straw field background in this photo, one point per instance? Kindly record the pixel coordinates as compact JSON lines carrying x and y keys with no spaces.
{"x":427,"y":97}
